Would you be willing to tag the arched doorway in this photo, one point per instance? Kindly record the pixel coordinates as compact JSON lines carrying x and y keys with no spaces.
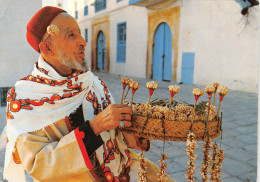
{"x":162,"y":53}
{"x":101,"y":51}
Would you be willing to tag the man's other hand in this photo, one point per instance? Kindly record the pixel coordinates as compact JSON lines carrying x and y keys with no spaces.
{"x":111,"y":117}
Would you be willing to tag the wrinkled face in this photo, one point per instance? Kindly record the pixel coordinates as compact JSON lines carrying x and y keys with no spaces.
{"x":69,"y":45}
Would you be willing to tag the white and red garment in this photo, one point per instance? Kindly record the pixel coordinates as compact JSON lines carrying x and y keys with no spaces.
{"x":45,"y":97}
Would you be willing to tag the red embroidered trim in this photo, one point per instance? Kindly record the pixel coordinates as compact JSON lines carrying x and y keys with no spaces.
{"x":80,"y":135}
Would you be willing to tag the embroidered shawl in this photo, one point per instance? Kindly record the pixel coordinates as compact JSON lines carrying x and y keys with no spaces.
{"x":45,"y":97}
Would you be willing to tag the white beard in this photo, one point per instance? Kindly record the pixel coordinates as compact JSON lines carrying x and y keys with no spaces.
{"x":72,"y":62}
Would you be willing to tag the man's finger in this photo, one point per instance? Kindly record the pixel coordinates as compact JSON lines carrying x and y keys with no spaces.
{"x":125,"y":117}
{"x":126,"y":110}
{"x":127,"y":124}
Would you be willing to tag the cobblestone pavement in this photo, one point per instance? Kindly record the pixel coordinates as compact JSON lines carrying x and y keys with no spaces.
{"x":239,"y":136}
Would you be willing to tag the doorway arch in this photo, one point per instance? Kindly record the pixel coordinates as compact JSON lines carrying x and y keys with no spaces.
{"x":162,"y":53}
{"x":101,"y":51}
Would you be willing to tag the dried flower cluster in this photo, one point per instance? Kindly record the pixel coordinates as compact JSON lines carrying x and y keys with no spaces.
{"x":215,"y":85}
{"x":191,"y":146}
{"x":205,"y":166}
{"x":142,"y":169}
{"x":209,"y":90}
{"x":180,"y":112}
{"x":174,"y":89}
{"x":126,"y":81}
{"x":163,"y":174}
{"x":134,"y":85}
{"x":152,"y":85}
{"x":52,"y":30}
{"x":222,"y":90}
{"x":217,"y":158}
{"x":197,"y":93}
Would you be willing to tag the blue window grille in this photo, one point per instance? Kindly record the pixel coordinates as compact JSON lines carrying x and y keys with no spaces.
{"x":85,"y":10}
{"x":121,"y":42}
{"x":76,"y":14}
{"x":100,"y":5}
{"x":86,"y":35}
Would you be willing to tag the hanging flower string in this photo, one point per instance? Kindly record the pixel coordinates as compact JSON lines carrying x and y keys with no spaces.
{"x":191,"y":146}
{"x":215,"y":85}
{"x":205,"y":166}
{"x":135,"y":86}
{"x":174,"y":90}
{"x":222,"y":91}
{"x":163,"y":174}
{"x":151,"y":87}
{"x":197,"y":93}
{"x":217,"y":159}
{"x":142,"y":168}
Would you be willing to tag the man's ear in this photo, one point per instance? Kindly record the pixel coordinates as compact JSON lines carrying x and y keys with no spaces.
{"x":45,"y":47}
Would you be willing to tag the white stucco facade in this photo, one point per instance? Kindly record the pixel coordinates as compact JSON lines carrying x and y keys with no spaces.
{"x":226,"y":50}
{"x":17,"y":57}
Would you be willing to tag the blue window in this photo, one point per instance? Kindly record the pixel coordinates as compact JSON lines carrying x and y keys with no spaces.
{"x":100,"y":5}
{"x":86,"y":35}
{"x":121,"y":42}
{"x":86,"y":8}
{"x":76,"y":11}
{"x":118,"y":0}
{"x":76,"y":14}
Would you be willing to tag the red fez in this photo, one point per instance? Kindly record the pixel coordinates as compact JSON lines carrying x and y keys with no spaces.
{"x":37,"y":26}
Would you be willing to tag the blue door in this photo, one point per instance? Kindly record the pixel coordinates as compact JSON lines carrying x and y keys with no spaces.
{"x":101,"y":51}
{"x":162,"y":54}
{"x":187,"y":68}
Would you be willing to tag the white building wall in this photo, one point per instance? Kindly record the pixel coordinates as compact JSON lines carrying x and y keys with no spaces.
{"x":17,"y":56}
{"x":136,"y":33}
{"x":225,"y":49}
{"x":136,"y":41}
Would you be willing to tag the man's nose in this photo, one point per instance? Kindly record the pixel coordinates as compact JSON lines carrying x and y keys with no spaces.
{"x":82,"y":42}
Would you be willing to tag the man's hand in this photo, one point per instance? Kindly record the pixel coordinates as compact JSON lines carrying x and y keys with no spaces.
{"x":110,"y":118}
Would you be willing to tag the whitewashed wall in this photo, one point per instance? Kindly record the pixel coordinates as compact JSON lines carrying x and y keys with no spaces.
{"x":225,"y":49}
{"x":83,"y":26}
{"x":17,"y":56}
{"x":136,"y":41}
{"x":136,"y":23}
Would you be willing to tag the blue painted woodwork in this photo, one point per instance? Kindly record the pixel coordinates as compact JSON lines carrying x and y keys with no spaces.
{"x":85,"y":10}
{"x":131,"y":2}
{"x":101,"y":51}
{"x":86,"y":35}
{"x":121,"y":42}
{"x":76,"y":14}
{"x":242,"y":3}
{"x":162,"y":54}
{"x":187,"y":68}
{"x":100,"y":5}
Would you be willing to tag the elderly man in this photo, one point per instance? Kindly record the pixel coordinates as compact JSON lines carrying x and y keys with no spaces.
{"x":61,"y":123}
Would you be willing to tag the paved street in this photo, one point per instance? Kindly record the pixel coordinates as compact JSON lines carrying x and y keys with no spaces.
{"x":239,"y":137}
